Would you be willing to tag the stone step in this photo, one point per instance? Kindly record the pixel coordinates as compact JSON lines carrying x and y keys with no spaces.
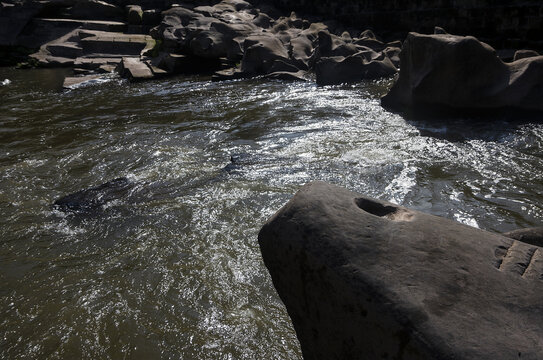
{"x":100,"y":25}
{"x":134,"y":69}
{"x":114,"y":43}
{"x":93,"y":63}
{"x":67,"y":49}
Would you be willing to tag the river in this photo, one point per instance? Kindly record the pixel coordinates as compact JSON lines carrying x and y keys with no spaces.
{"x":173,"y":270}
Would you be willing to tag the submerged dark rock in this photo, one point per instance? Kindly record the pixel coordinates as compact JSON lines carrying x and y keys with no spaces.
{"x":94,"y":198}
{"x":367,"y":279}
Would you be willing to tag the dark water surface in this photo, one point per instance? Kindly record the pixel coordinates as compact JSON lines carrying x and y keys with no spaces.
{"x":172,"y":270}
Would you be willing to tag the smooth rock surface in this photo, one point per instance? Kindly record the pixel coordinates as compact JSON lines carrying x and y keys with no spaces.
{"x":461,"y":73}
{"x":367,"y":279}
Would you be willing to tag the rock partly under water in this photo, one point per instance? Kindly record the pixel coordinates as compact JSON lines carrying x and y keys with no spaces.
{"x":447,"y":72}
{"x":368,"y":279}
{"x":94,"y":198}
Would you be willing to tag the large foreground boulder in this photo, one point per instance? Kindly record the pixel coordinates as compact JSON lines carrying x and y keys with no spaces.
{"x":445,"y":71}
{"x":367,"y":279}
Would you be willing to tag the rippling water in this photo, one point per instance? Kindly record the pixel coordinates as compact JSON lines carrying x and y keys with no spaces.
{"x":172,"y":270}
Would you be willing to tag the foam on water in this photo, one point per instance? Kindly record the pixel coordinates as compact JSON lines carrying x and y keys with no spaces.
{"x":173,"y":269}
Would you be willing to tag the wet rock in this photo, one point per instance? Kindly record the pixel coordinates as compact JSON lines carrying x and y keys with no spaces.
{"x":523,"y":54}
{"x":299,"y":75}
{"x":228,"y":74}
{"x":134,"y":69}
{"x":354,"y":68}
{"x":368,"y":279}
{"x":532,"y":236}
{"x":72,"y":82}
{"x":481,"y":80}
{"x":94,"y":198}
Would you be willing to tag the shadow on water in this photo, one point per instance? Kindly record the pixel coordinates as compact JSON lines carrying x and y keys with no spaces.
{"x":458,"y":127}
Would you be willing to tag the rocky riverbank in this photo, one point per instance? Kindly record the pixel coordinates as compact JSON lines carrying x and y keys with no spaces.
{"x":234,"y":39}
{"x":230,"y":39}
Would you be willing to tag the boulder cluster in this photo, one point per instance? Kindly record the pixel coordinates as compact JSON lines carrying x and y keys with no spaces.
{"x":230,"y":39}
{"x":248,"y":42}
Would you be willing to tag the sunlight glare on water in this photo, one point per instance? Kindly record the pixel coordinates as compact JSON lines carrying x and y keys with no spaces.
{"x":172,"y":269}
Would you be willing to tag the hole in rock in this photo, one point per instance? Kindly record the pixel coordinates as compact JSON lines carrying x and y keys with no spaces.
{"x":387,"y":211}
{"x":374,"y":207}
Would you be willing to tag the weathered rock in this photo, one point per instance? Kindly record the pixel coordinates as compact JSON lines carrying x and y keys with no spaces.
{"x":260,"y":53}
{"x":263,"y":20}
{"x":369,"y":40}
{"x":523,"y":54}
{"x":228,"y":74}
{"x":94,"y":63}
{"x":299,"y":75}
{"x":367,"y":279}
{"x":332,"y":45}
{"x":354,"y":68}
{"x":101,"y":42}
{"x":219,"y":40}
{"x":393,"y":53}
{"x":134,"y":14}
{"x":134,"y":69}
{"x":96,"y":10}
{"x":532,"y":236}
{"x":301,"y":49}
{"x":444,"y":72}
{"x":59,"y":52}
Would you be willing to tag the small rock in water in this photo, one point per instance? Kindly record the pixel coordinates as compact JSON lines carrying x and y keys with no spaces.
{"x":5,"y":82}
{"x":93,"y":198}
{"x":237,"y":161}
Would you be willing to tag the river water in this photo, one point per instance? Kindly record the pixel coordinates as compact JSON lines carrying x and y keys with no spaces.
{"x":172,"y":270}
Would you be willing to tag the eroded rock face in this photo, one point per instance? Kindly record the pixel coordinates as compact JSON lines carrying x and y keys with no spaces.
{"x":367,"y":279}
{"x":354,"y":68}
{"x":457,"y":72}
{"x":282,"y":48}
